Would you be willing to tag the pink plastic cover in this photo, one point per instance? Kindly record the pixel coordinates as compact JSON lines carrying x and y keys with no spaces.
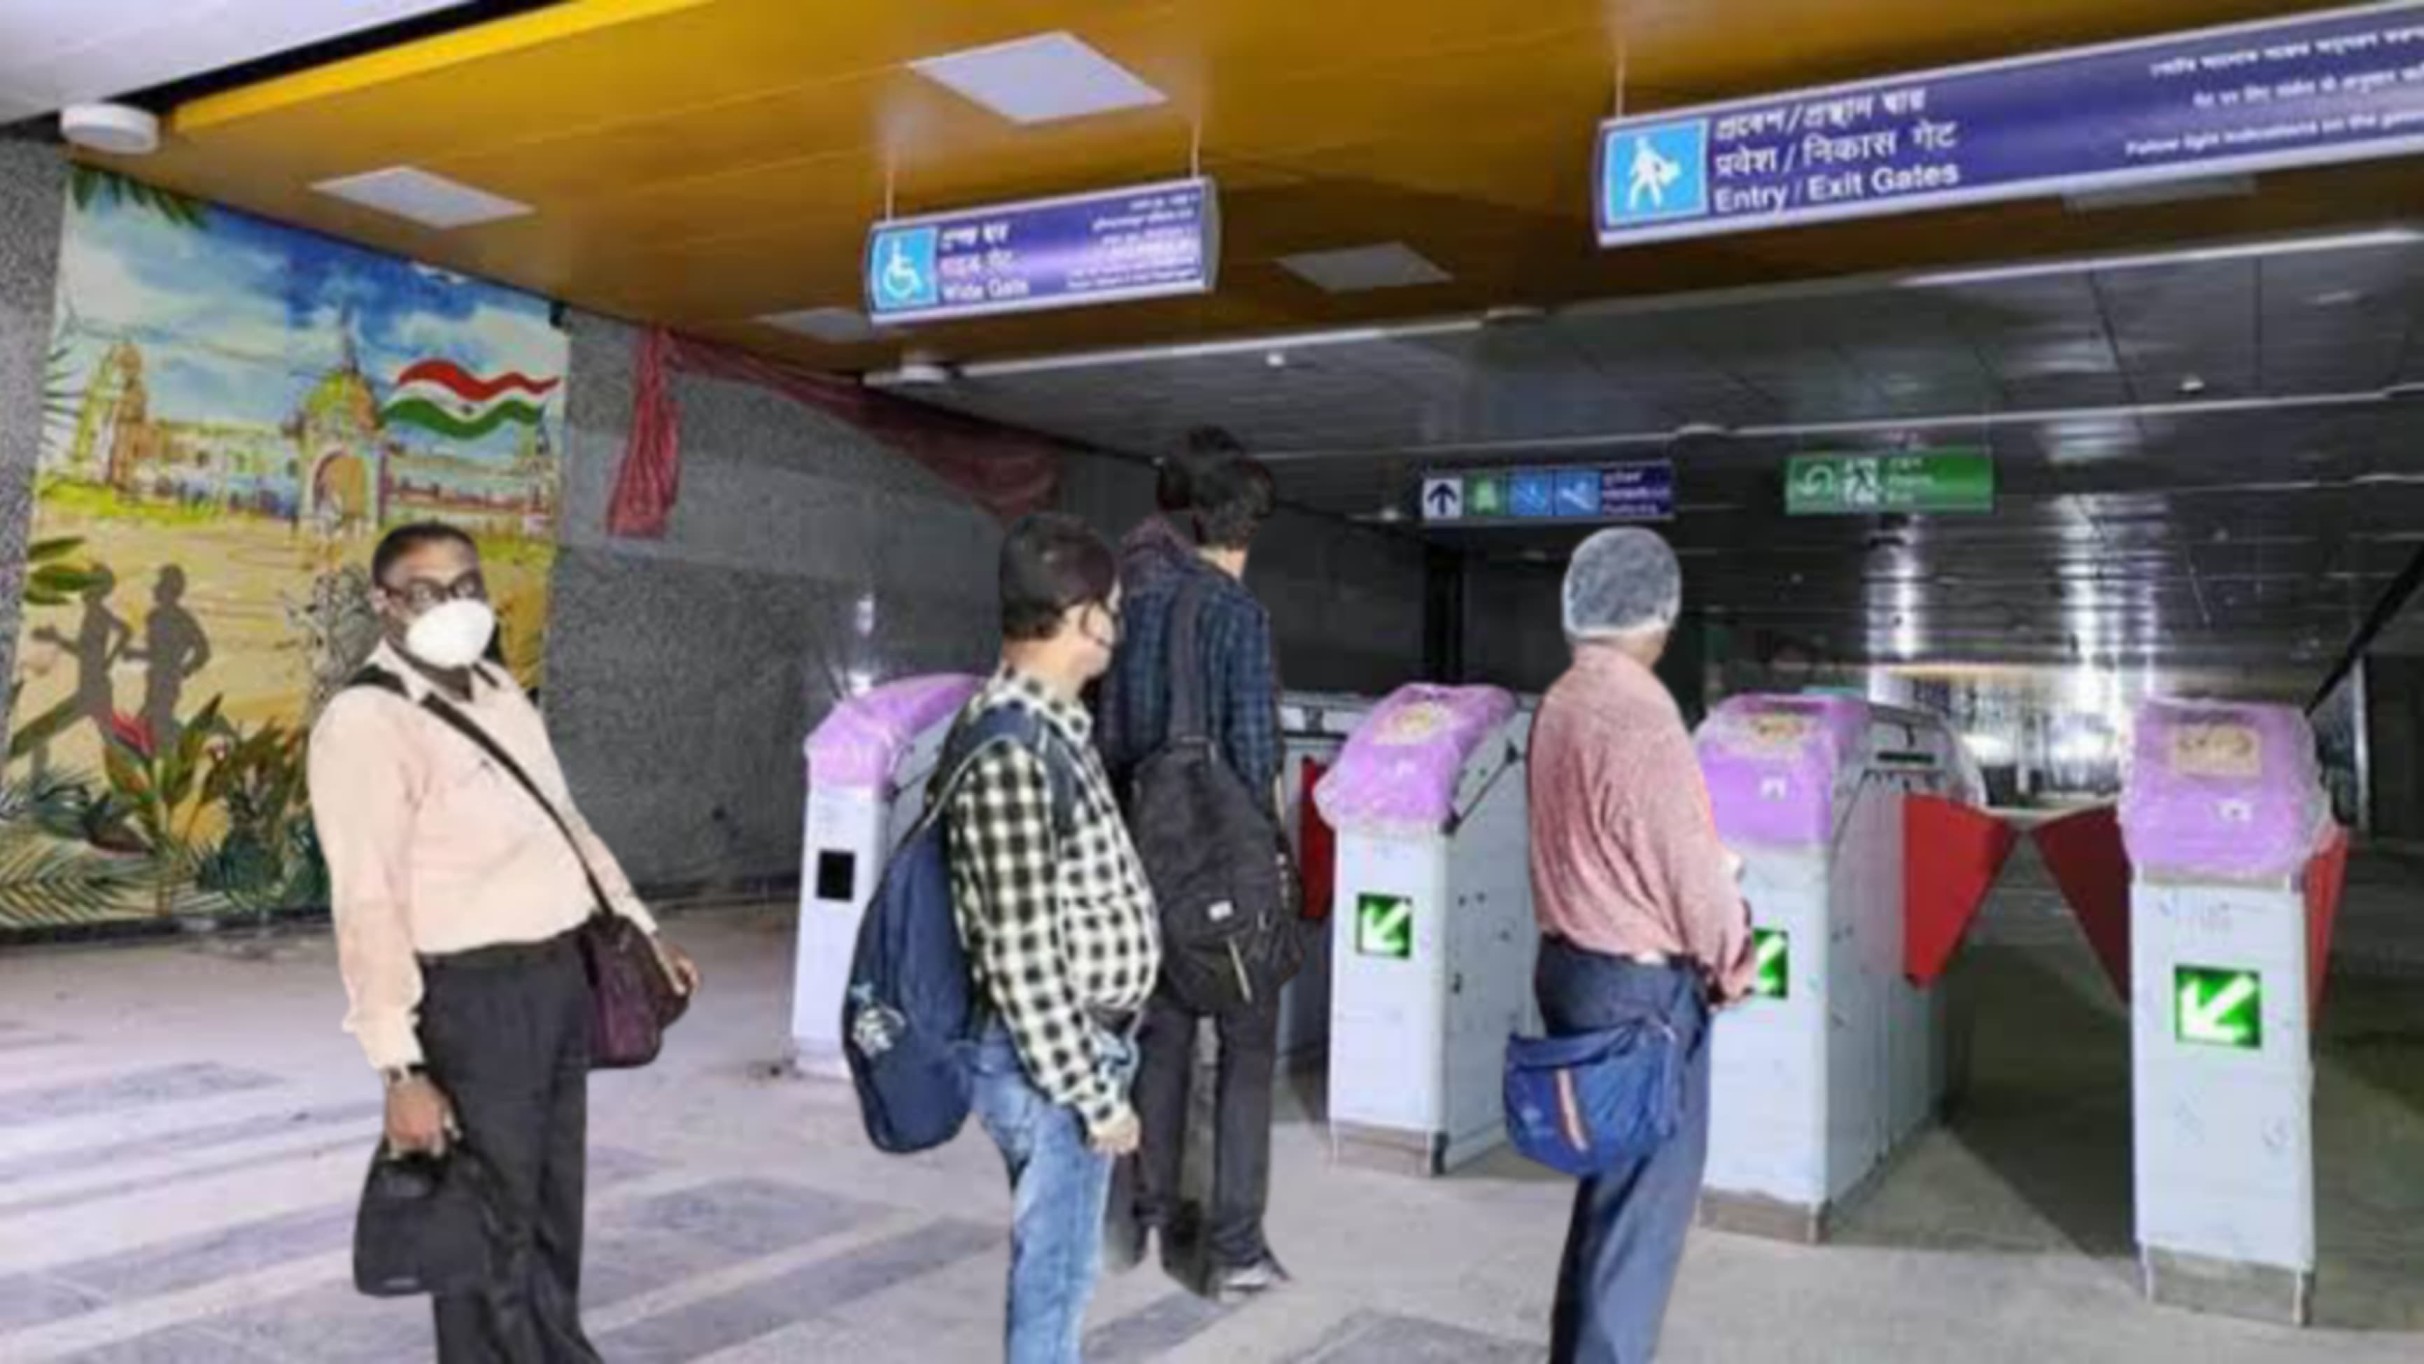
{"x":1397,"y":775}
{"x":1771,"y":763}
{"x":2223,"y":790}
{"x":860,"y":743}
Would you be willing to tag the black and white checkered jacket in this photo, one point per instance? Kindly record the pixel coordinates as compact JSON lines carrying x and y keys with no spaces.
{"x":1060,"y":931}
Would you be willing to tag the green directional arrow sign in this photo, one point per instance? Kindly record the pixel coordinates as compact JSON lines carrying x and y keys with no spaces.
{"x":1772,"y":954}
{"x":2217,"y":1007}
{"x":1384,"y":926}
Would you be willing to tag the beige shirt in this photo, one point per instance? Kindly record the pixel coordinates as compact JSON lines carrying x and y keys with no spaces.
{"x":433,"y":848}
{"x":1625,"y":856}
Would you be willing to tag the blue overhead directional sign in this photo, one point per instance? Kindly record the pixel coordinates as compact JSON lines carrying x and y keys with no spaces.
{"x":1153,"y":241}
{"x":1608,"y":492}
{"x":2347,"y":85}
{"x":1637,"y":492}
{"x":1578,"y":493}
{"x":1532,"y":496}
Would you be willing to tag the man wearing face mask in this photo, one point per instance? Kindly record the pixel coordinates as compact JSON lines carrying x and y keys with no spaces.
{"x":1057,"y":918}
{"x":457,"y":899}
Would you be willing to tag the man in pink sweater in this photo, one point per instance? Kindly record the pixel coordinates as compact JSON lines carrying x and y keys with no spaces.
{"x":1639,"y":917}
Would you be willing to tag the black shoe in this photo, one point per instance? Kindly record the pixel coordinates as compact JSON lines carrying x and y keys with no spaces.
{"x":1249,"y":1280}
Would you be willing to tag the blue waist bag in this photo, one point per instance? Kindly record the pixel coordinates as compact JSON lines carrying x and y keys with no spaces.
{"x":1585,"y":1104}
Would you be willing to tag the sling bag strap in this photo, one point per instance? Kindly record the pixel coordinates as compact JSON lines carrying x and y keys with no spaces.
{"x":462,"y":724}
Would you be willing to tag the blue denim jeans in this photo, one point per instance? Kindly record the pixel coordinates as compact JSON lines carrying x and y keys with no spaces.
{"x":1626,"y":1238}
{"x":1059,"y":1187}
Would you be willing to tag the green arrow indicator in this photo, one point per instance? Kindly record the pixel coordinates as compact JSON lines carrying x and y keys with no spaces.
{"x":1771,"y":954}
{"x":2218,"y":1008}
{"x":1384,"y":926}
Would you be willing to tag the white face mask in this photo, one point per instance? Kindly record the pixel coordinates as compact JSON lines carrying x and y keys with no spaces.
{"x":452,"y":635}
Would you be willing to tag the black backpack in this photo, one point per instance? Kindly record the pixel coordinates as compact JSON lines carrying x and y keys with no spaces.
{"x":912,"y":1004}
{"x":1212,"y":850}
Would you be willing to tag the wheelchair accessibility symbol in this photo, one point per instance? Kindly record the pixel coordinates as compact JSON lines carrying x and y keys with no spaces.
{"x":1656,"y":173}
{"x":901,"y":275}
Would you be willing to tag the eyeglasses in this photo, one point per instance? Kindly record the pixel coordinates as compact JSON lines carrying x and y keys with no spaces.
{"x":421,"y":594}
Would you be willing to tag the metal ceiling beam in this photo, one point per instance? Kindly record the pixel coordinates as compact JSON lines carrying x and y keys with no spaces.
{"x":1875,"y":426}
{"x":2386,"y":609}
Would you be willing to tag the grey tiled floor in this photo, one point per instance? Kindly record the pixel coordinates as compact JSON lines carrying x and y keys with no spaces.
{"x":183,"y":1129}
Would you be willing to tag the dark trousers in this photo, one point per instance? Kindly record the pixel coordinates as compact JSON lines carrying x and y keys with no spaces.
{"x":1241,"y":1128}
{"x":505,"y":1031}
{"x":1626,"y":1238}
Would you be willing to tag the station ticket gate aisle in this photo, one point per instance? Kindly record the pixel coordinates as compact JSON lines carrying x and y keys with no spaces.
{"x":867,"y":769}
{"x":1838,"y":1058}
{"x":2236,"y":869}
{"x":1431,"y":926}
{"x":868,"y":766}
{"x":1315,"y":729}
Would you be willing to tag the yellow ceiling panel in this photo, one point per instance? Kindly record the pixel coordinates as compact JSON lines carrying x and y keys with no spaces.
{"x":708,"y":161}
{"x":603,"y":63}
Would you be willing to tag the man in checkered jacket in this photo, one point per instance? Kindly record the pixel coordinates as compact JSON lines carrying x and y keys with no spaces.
{"x":1059,"y":924}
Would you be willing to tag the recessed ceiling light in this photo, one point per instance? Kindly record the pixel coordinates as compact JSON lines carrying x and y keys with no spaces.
{"x":1389,"y":265}
{"x":835,"y":326}
{"x":2336,"y":298}
{"x":418,"y":196}
{"x":1042,"y":79}
{"x":2192,"y":384}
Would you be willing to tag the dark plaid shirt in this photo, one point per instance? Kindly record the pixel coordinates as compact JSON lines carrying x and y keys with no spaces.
{"x":1060,"y":927}
{"x":1240,"y":678}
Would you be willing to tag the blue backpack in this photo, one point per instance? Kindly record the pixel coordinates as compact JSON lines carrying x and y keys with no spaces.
{"x":908,"y":1014}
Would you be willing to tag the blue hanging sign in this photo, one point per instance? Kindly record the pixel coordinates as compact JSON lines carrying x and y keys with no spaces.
{"x":2313,"y":90}
{"x":1153,"y":241}
{"x":1609,"y":492}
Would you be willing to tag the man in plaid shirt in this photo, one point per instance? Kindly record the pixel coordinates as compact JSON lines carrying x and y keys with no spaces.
{"x":1232,"y":497}
{"x":1058,"y":921}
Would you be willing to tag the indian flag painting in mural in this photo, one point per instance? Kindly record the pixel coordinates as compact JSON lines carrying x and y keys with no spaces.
{"x":233,"y":411}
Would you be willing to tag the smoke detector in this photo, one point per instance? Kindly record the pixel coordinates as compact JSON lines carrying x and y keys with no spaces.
{"x":116,"y":129}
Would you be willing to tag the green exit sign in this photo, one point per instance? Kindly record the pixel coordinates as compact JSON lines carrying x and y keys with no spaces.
{"x":2217,"y":1007}
{"x":1772,"y":954}
{"x":1384,"y":926}
{"x":1871,"y":485}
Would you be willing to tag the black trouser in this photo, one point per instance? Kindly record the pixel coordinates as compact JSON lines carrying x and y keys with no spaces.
{"x":1241,"y":1153}
{"x":505,"y":1031}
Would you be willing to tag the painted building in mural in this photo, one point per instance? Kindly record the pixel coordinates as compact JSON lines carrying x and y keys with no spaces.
{"x":233,"y":412}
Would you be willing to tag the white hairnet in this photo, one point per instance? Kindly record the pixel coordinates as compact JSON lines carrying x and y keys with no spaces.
{"x":1624,"y":581}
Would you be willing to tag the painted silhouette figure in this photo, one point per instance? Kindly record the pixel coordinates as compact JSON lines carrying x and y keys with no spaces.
{"x":174,"y":650}
{"x":101,"y":640}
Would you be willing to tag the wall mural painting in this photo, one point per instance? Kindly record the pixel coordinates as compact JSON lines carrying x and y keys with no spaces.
{"x":231,"y":413}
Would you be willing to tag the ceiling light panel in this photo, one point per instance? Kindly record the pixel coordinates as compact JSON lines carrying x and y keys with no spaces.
{"x":1043,"y":79}
{"x":1360,"y":269}
{"x":415,"y":195}
{"x":835,"y":326}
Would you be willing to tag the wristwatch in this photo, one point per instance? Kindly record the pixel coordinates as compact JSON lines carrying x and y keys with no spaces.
{"x":399,"y":1076}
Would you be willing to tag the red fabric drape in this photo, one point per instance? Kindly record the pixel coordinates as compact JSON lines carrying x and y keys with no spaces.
{"x":1007,"y":472}
{"x":651,"y":477}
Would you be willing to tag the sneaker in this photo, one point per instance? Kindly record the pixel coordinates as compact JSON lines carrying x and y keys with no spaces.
{"x":1249,"y":1280}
